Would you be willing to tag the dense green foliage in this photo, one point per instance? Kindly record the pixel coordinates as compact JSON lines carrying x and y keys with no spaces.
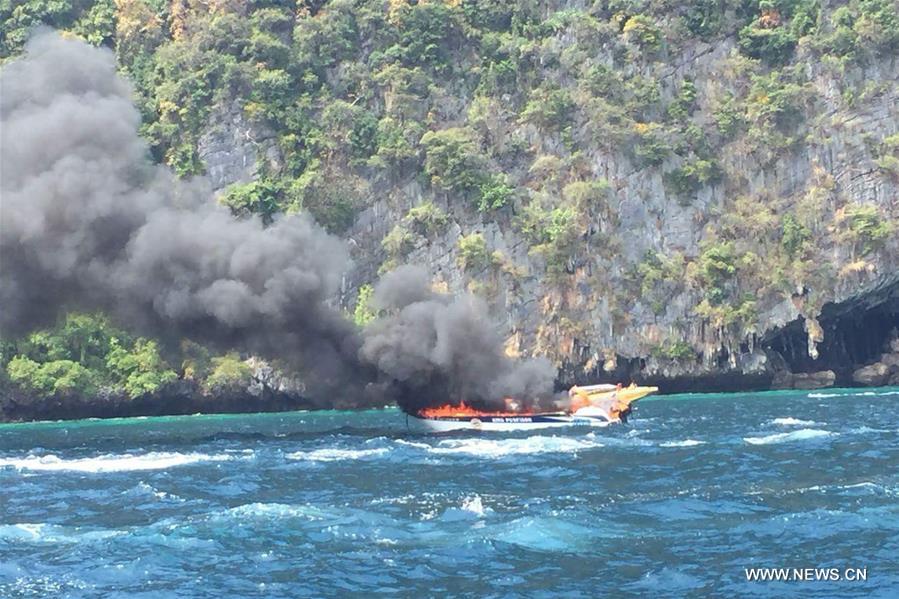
{"x":228,"y":371}
{"x":364,"y":313}
{"x":865,"y":227}
{"x":426,"y":219}
{"x":256,"y":197}
{"x":795,"y":235}
{"x":553,"y":234}
{"x":676,"y":351}
{"x":473,"y":254}
{"x":85,"y":354}
{"x":58,"y":376}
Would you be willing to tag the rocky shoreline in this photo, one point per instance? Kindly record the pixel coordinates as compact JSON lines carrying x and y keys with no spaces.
{"x":883,"y":372}
{"x":270,"y":390}
{"x":179,"y":398}
{"x":271,"y":394}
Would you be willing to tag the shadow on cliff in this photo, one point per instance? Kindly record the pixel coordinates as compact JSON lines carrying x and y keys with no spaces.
{"x":858,"y":345}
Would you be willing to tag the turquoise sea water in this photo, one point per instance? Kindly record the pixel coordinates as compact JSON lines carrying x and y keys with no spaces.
{"x":696,"y":489}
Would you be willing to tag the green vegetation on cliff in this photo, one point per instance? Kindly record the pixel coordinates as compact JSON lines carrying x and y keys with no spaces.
{"x":85,"y":355}
{"x":349,"y":86}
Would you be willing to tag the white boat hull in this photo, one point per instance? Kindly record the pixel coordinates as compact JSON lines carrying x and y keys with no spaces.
{"x":600,"y":405}
{"x":505,"y":423}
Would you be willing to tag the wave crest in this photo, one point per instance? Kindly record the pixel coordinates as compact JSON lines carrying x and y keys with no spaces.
{"x":110,"y":463}
{"x":498,"y":448}
{"x":789,"y":421}
{"x":800,"y":435}
{"x":684,"y":443}
{"x":336,"y":455}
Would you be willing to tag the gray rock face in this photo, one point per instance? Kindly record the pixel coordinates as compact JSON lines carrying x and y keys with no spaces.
{"x":873,"y":375}
{"x":891,"y":360}
{"x":814,"y":380}
{"x":804,"y":380}
{"x":883,"y":372}
{"x":233,"y":148}
{"x":268,"y":378}
{"x":180,"y":397}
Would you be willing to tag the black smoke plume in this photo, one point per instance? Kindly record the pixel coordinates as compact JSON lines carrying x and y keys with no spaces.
{"x":439,"y":349}
{"x":88,"y":222}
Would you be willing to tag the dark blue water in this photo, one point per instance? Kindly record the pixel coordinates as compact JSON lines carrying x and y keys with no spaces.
{"x":679,"y":503}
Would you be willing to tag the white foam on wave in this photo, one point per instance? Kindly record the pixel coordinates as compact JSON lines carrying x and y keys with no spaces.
{"x":498,"y":448}
{"x":800,"y":435}
{"x":789,"y":421}
{"x":684,"y":443}
{"x":627,"y":440}
{"x":274,"y":511}
{"x":474,"y":505}
{"x":110,"y":463}
{"x":821,"y":395}
{"x":472,"y":508}
{"x":414,"y":444}
{"x":336,"y":521}
{"x":865,"y":484}
{"x":553,"y":533}
{"x":830,"y":488}
{"x":336,"y":455}
{"x":51,"y":533}
{"x":23,"y":532}
{"x":862,"y":430}
{"x":143,"y":489}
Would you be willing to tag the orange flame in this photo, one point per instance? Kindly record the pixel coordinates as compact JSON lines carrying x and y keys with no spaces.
{"x":448,"y":410}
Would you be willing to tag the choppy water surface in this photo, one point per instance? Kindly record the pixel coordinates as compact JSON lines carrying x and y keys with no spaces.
{"x":696,"y":489}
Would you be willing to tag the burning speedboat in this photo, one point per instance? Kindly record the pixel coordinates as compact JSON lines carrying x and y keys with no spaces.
{"x":587,"y":405}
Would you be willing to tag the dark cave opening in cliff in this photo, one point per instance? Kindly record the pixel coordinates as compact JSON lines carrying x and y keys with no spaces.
{"x":856,"y":333}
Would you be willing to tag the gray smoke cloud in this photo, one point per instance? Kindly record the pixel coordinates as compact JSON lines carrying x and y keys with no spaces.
{"x":436,"y":348}
{"x":88,"y":222}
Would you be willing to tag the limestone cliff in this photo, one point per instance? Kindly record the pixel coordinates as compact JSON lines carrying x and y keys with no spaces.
{"x":729,"y":202}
